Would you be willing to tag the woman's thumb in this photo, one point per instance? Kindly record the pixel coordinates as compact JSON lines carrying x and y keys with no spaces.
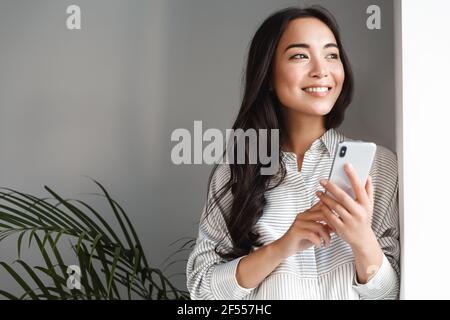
{"x":317,"y":205}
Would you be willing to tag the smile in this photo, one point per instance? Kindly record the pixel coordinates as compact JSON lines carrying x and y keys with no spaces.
{"x":317,"y":91}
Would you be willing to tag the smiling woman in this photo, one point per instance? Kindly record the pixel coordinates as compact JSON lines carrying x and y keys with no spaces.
{"x":307,"y":58}
{"x":277,"y":237}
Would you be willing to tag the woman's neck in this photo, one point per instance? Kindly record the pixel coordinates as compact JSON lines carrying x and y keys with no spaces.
{"x":301,"y":132}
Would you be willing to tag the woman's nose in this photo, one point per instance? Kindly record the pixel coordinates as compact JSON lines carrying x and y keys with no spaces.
{"x":318,"y":69}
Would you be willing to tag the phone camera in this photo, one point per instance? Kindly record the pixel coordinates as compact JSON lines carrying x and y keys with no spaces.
{"x":342,"y":151}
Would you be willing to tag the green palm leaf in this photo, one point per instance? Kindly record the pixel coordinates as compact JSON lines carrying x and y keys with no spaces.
{"x":108,"y":265}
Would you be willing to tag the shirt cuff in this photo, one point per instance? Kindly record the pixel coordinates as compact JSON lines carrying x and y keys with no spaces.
{"x":380,"y":285}
{"x":224,"y":285}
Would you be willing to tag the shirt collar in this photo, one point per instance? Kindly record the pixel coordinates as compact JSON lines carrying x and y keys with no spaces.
{"x":331,"y":139}
{"x":327,"y":142}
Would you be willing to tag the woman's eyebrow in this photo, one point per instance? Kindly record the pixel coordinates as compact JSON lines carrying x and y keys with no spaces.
{"x":304,"y":45}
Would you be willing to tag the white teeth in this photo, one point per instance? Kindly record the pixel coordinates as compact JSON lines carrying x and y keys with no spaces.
{"x":316,"y":89}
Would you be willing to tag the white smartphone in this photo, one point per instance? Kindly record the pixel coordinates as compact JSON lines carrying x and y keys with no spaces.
{"x":361,"y":155}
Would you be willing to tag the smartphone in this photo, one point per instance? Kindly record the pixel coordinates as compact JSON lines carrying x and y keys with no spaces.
{"x":361,"y":155}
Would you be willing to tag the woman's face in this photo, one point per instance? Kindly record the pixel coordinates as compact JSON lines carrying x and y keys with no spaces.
{"x":308,"y":73}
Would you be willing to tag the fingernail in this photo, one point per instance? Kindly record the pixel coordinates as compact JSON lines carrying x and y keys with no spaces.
{"x":323,"y":182}
{"x":349,"y":166}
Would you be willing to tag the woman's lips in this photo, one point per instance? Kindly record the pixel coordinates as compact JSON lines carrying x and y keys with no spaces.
{"x":318,"y":91}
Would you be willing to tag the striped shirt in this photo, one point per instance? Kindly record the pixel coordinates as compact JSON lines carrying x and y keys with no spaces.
{"x":324,"y":273}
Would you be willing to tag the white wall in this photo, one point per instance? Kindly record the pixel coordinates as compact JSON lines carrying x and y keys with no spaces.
{"x":424,"y":148}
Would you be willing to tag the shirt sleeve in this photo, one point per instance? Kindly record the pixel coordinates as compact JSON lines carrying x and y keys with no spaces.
{"x":209,"y":277}
{"x":385,"y":284}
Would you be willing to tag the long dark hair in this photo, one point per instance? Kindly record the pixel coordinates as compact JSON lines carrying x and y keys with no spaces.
{"x":260,"y":109}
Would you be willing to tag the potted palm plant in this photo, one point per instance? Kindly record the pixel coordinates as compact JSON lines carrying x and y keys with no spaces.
{"x":111,"y":263}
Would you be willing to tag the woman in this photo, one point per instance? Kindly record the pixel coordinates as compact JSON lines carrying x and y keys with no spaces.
{"x":279,"y":237}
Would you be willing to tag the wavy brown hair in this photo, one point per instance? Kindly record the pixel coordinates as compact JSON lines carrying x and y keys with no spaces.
{"x":260,"y":109}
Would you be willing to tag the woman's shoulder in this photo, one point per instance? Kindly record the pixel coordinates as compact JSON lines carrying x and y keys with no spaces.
{"x":221,"y":171}
{"x":220,"y":176}
{"x":386,"y":160}
{"x":384,"y":171}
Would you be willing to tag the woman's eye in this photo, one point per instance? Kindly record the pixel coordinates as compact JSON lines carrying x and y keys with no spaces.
{"x":333,"y":56}
{"x":300,"y":56}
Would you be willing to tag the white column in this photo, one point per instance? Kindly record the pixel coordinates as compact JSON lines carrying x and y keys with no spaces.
{"x":423,"y":145}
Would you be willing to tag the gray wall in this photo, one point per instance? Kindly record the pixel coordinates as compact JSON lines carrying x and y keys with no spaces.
{"x":103,"y":101}
{"x":371,"y":115}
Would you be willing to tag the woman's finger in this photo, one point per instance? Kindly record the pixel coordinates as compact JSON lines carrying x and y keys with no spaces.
{"x":341,"y":196}
{"x":316,"y":215}
{"x":334,"y":207}
{"x":335,"y":219}
{"x":360,"y":193}
{"x":330,"y":228}
{"x":316,"y":206}
{"x":369,"y":188}
{"x":311,"y":236}
{"x":319,"y":229}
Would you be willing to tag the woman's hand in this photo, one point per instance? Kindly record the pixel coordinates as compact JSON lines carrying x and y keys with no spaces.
{"x":350,"y":218}
{"x":308,"y":229}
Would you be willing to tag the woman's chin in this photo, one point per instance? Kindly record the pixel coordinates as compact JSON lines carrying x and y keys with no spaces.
{"x":319,"y":110}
